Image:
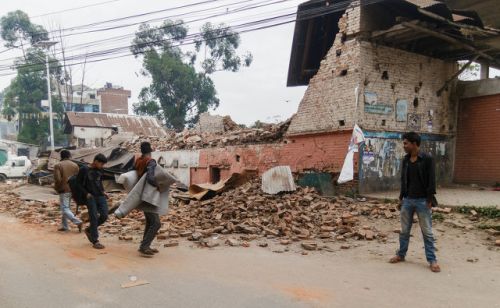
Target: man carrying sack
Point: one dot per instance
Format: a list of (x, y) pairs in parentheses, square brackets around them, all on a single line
[(149, 194)]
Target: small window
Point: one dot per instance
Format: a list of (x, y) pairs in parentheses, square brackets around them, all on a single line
[(343, 38), (19, 163), (343, 72), (92, 96), (342, 123), (238, 158), (385, 75), (415, 102), (383, 123), (338, 52)]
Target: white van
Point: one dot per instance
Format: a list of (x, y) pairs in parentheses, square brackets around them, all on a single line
[(15, 168)]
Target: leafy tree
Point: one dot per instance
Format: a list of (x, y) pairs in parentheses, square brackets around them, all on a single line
[(19, 32), (179, 93), (471, 73), (26, 91)]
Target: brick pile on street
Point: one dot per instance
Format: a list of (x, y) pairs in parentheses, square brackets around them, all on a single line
[(302, 216), (233, 135), (298, 221)]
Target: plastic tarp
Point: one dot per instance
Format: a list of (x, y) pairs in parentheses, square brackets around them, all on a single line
[(347, 173)]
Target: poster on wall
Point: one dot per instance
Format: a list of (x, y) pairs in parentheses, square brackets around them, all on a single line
[(378, 109), (370, 98), (414, 122), (401, 110), (373, 106)]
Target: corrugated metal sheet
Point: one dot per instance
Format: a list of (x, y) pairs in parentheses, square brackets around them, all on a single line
[(179, 163), (278, 179), (139, 125)]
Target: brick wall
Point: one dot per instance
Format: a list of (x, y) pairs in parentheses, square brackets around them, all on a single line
[(114, 100), (393, 75), (330, 102), (477, 150), (322, 152), (210, 123)]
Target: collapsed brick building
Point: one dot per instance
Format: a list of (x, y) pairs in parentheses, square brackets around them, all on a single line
[(389, 66)]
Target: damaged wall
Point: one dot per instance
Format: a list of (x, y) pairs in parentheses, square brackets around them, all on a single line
[(210, 123), (90, 136), (329, 103), (322, 152), (384, 90), (396, 89), (382, 153), (178, 163), (399, 92)]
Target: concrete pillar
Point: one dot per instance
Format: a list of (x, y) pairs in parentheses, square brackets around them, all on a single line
[(485, 70)]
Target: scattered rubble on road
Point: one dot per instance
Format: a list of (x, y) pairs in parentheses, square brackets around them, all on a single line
[(294, 221)]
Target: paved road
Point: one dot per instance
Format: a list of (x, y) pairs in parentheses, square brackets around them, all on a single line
[(42, 268)]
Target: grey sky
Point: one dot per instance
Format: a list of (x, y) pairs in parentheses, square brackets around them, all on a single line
[(255, 93)]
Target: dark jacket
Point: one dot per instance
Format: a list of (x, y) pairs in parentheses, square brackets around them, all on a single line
[(426, 172), (90, 180)]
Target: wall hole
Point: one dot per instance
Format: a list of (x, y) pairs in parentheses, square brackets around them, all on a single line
[(385, 75)]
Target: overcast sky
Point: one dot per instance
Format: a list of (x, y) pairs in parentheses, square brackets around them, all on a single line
[(255, 93)]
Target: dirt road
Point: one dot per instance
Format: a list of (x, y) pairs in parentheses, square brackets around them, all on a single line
[(42, 268)]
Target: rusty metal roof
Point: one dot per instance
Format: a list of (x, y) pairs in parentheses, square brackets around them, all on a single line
[(139, 125)]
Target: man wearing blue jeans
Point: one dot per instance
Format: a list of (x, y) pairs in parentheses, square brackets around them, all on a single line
[(62, 172), (90, 180), (418, 187)]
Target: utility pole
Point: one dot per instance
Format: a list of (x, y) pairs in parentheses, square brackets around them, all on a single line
[(47, 45)]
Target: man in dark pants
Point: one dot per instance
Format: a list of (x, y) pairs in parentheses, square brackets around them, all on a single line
[(418, 187), (145, 164), (90, 180)]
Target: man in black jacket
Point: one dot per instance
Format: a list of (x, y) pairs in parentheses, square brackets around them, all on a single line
[(418, 187), (90, 180)]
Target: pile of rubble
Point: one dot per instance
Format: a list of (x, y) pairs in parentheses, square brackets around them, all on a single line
[(233, 135), (247, 211), (300, 216)]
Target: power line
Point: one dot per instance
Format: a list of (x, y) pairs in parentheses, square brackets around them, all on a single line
[(250, 26), (224, 13), (75, 9)]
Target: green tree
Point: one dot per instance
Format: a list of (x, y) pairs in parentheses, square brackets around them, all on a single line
[(19, 32), (25, 92), (178, 92)]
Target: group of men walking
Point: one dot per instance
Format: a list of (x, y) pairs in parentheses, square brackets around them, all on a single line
[(84, 185), (418, 187)]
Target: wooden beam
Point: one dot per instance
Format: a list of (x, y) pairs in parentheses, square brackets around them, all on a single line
[(392, 30), (449, 39), (307, 46), (460, 71), (455, 24)]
